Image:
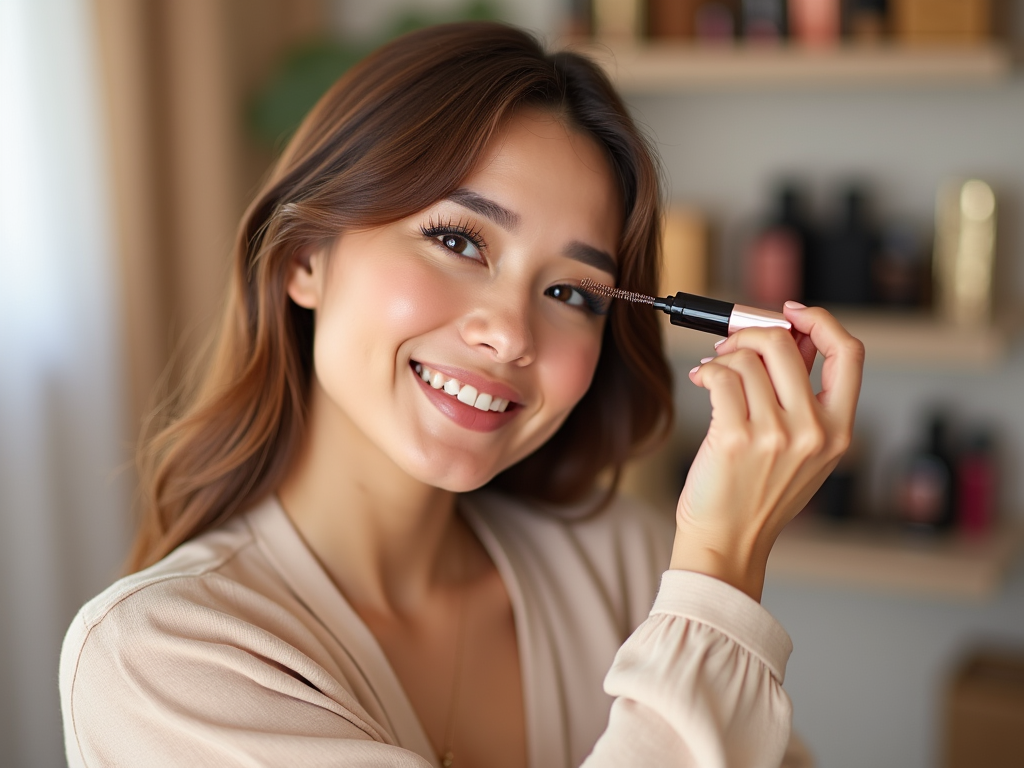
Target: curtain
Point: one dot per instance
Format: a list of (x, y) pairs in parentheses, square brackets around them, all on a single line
[(63, 505)]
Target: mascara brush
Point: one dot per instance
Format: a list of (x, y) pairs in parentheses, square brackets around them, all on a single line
[(698, 312)]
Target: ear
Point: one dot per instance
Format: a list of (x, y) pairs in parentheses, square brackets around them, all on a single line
[(306, 275)]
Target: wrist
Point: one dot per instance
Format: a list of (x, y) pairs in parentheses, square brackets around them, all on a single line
[(739, 561)]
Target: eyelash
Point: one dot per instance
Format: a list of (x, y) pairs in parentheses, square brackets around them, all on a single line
[(436, 229), (599, 305)]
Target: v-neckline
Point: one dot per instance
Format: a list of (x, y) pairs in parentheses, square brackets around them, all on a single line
[(289, 554)]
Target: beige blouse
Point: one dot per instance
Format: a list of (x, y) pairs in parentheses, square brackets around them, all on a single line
[(238, 650)]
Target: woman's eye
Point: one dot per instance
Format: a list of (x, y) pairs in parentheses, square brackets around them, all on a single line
[(460, 245), (575, 297)]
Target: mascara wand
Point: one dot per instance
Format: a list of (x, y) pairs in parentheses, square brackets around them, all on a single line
[(697, 312)]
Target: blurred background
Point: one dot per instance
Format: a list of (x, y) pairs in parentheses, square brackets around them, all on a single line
[(865, 154)]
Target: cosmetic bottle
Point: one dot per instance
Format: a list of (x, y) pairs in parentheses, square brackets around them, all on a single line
[(776, 260), (814, 23), (716, 21), (670, 19), (842, 269), (684, 251), (764, 21), (965, 241), (925, 490), (976, 484), (899, 269), (963, 22), (617, 20), (865, 20)]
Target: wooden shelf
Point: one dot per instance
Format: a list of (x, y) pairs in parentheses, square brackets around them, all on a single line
[(879, 558), (906, 339), (660, 67)]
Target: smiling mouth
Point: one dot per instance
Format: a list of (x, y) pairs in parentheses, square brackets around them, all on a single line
[(464, 393)]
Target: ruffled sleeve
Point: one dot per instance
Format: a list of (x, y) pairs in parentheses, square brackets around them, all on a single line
[(699, 683)]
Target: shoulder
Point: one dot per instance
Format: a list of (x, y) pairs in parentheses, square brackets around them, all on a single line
[(210, 595), (175, 580)]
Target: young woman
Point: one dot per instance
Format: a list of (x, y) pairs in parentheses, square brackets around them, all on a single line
[(375, 536)]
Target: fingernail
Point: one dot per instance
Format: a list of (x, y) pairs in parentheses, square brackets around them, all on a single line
[(794, 305), (704, 360), (694, 369), (720, 342)]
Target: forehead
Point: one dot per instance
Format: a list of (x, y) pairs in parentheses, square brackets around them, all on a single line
[(551, 176)]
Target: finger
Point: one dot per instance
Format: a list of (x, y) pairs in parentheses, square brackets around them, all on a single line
[(762, 400), (785, 365), (843, 366), (807, 349), (728, 400)]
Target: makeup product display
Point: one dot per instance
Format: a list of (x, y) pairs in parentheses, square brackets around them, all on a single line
[(965, 241), (684, 251), (700, 313)]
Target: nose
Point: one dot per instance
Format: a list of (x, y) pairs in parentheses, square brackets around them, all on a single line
[(500, 327)]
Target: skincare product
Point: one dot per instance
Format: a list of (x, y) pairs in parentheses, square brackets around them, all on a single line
[(814, 22), (976, 484), (925, 490), (964, 22), (670, 19), (617, 20), (843, 270), (965, 241), (684, 250), (764, 21)]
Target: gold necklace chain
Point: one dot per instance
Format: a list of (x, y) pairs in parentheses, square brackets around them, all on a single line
[(447, 756)]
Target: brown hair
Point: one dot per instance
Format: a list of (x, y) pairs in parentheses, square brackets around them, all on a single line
[(429, 100)]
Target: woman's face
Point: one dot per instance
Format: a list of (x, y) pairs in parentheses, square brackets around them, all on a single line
[(425, 326)]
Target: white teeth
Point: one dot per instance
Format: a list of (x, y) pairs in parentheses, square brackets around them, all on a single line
[(465, 393)]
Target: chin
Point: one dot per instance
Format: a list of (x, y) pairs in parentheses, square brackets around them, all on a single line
[(460, 475)]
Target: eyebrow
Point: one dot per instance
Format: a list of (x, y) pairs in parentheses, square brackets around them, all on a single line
[(595, 257), (499, 214)]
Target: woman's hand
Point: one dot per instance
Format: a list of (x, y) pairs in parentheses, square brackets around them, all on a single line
[(771, 443)]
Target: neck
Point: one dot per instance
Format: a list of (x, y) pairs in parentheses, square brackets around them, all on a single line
[(385, 538)]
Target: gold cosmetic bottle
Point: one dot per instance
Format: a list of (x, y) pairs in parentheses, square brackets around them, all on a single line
[(965, 241)]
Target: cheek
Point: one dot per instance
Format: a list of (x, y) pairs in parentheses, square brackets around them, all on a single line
[(411, 301), (569, 369)]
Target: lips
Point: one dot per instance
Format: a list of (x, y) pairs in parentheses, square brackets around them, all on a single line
[(469, 400)]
